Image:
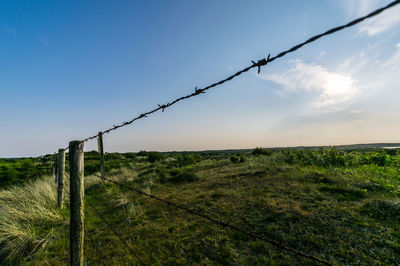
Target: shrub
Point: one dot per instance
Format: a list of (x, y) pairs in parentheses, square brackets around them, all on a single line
[(112, 156), (327, 157), (179, 175), (91, 154), (91, 167), (239, 158), (130, 155), (381, 159), (176, 175), (187, 159), (155, 156), (261, 151), (382, 209), (392, 151), (142, 153), (235, 159), (21, 170)]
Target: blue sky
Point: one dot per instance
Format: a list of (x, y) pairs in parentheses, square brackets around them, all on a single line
[(69, 69)]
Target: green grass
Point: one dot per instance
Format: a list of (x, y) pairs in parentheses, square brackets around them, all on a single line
[(317, 204)]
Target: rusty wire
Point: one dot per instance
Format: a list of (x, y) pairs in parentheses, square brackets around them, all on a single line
[(258, 64), (221, 223)]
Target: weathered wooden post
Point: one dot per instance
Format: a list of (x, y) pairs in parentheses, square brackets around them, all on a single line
[(76, 162), (61, 169), (101, 151)]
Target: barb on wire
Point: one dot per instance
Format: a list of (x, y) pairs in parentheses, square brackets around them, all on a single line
[(221, 223), (198, 91), (115, 232), (259, 64)]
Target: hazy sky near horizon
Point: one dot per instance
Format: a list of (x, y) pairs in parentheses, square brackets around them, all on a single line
[(69, 69)]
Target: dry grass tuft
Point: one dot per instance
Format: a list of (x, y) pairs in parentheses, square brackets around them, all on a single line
[(29, 218)]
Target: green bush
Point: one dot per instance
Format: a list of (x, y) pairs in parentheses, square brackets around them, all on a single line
[(130, 155), (261, 151), (327, 157), (381, 159), (187, 159), (112, 156), (176, 175), (142, 153), (20, 170), (91, 155), (91, 166), (179, 175), (382, 209), (239, 158), (154, 156)]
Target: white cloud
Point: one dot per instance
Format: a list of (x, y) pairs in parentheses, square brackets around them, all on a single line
[(378, 24), (360, 7), (381, 23), (333, 88)]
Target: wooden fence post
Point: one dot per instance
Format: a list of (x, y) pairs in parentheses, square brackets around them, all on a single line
[(61, 169), (101, 151), (76, 166)]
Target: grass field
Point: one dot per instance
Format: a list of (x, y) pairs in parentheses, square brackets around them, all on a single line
[(342, 206)]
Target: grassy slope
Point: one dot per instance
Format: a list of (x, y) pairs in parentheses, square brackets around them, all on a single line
[(344, 215)]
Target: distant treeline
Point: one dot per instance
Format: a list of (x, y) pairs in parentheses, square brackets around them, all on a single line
[(16, 171)]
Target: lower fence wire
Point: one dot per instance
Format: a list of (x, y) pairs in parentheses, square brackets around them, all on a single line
[(111, 228), (221, 223), (115, 232)]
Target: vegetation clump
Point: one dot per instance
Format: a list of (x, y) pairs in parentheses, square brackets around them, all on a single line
[(154, 156), (238, 158), (262, 151), (382, 209), (328, 157), (176, 175), (187, 159), (29, 219), (17, 171)]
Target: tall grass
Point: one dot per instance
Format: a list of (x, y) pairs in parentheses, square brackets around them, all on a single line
[(30, 218)]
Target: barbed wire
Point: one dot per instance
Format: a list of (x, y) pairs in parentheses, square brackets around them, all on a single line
[(221, 223), (258, 64)]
